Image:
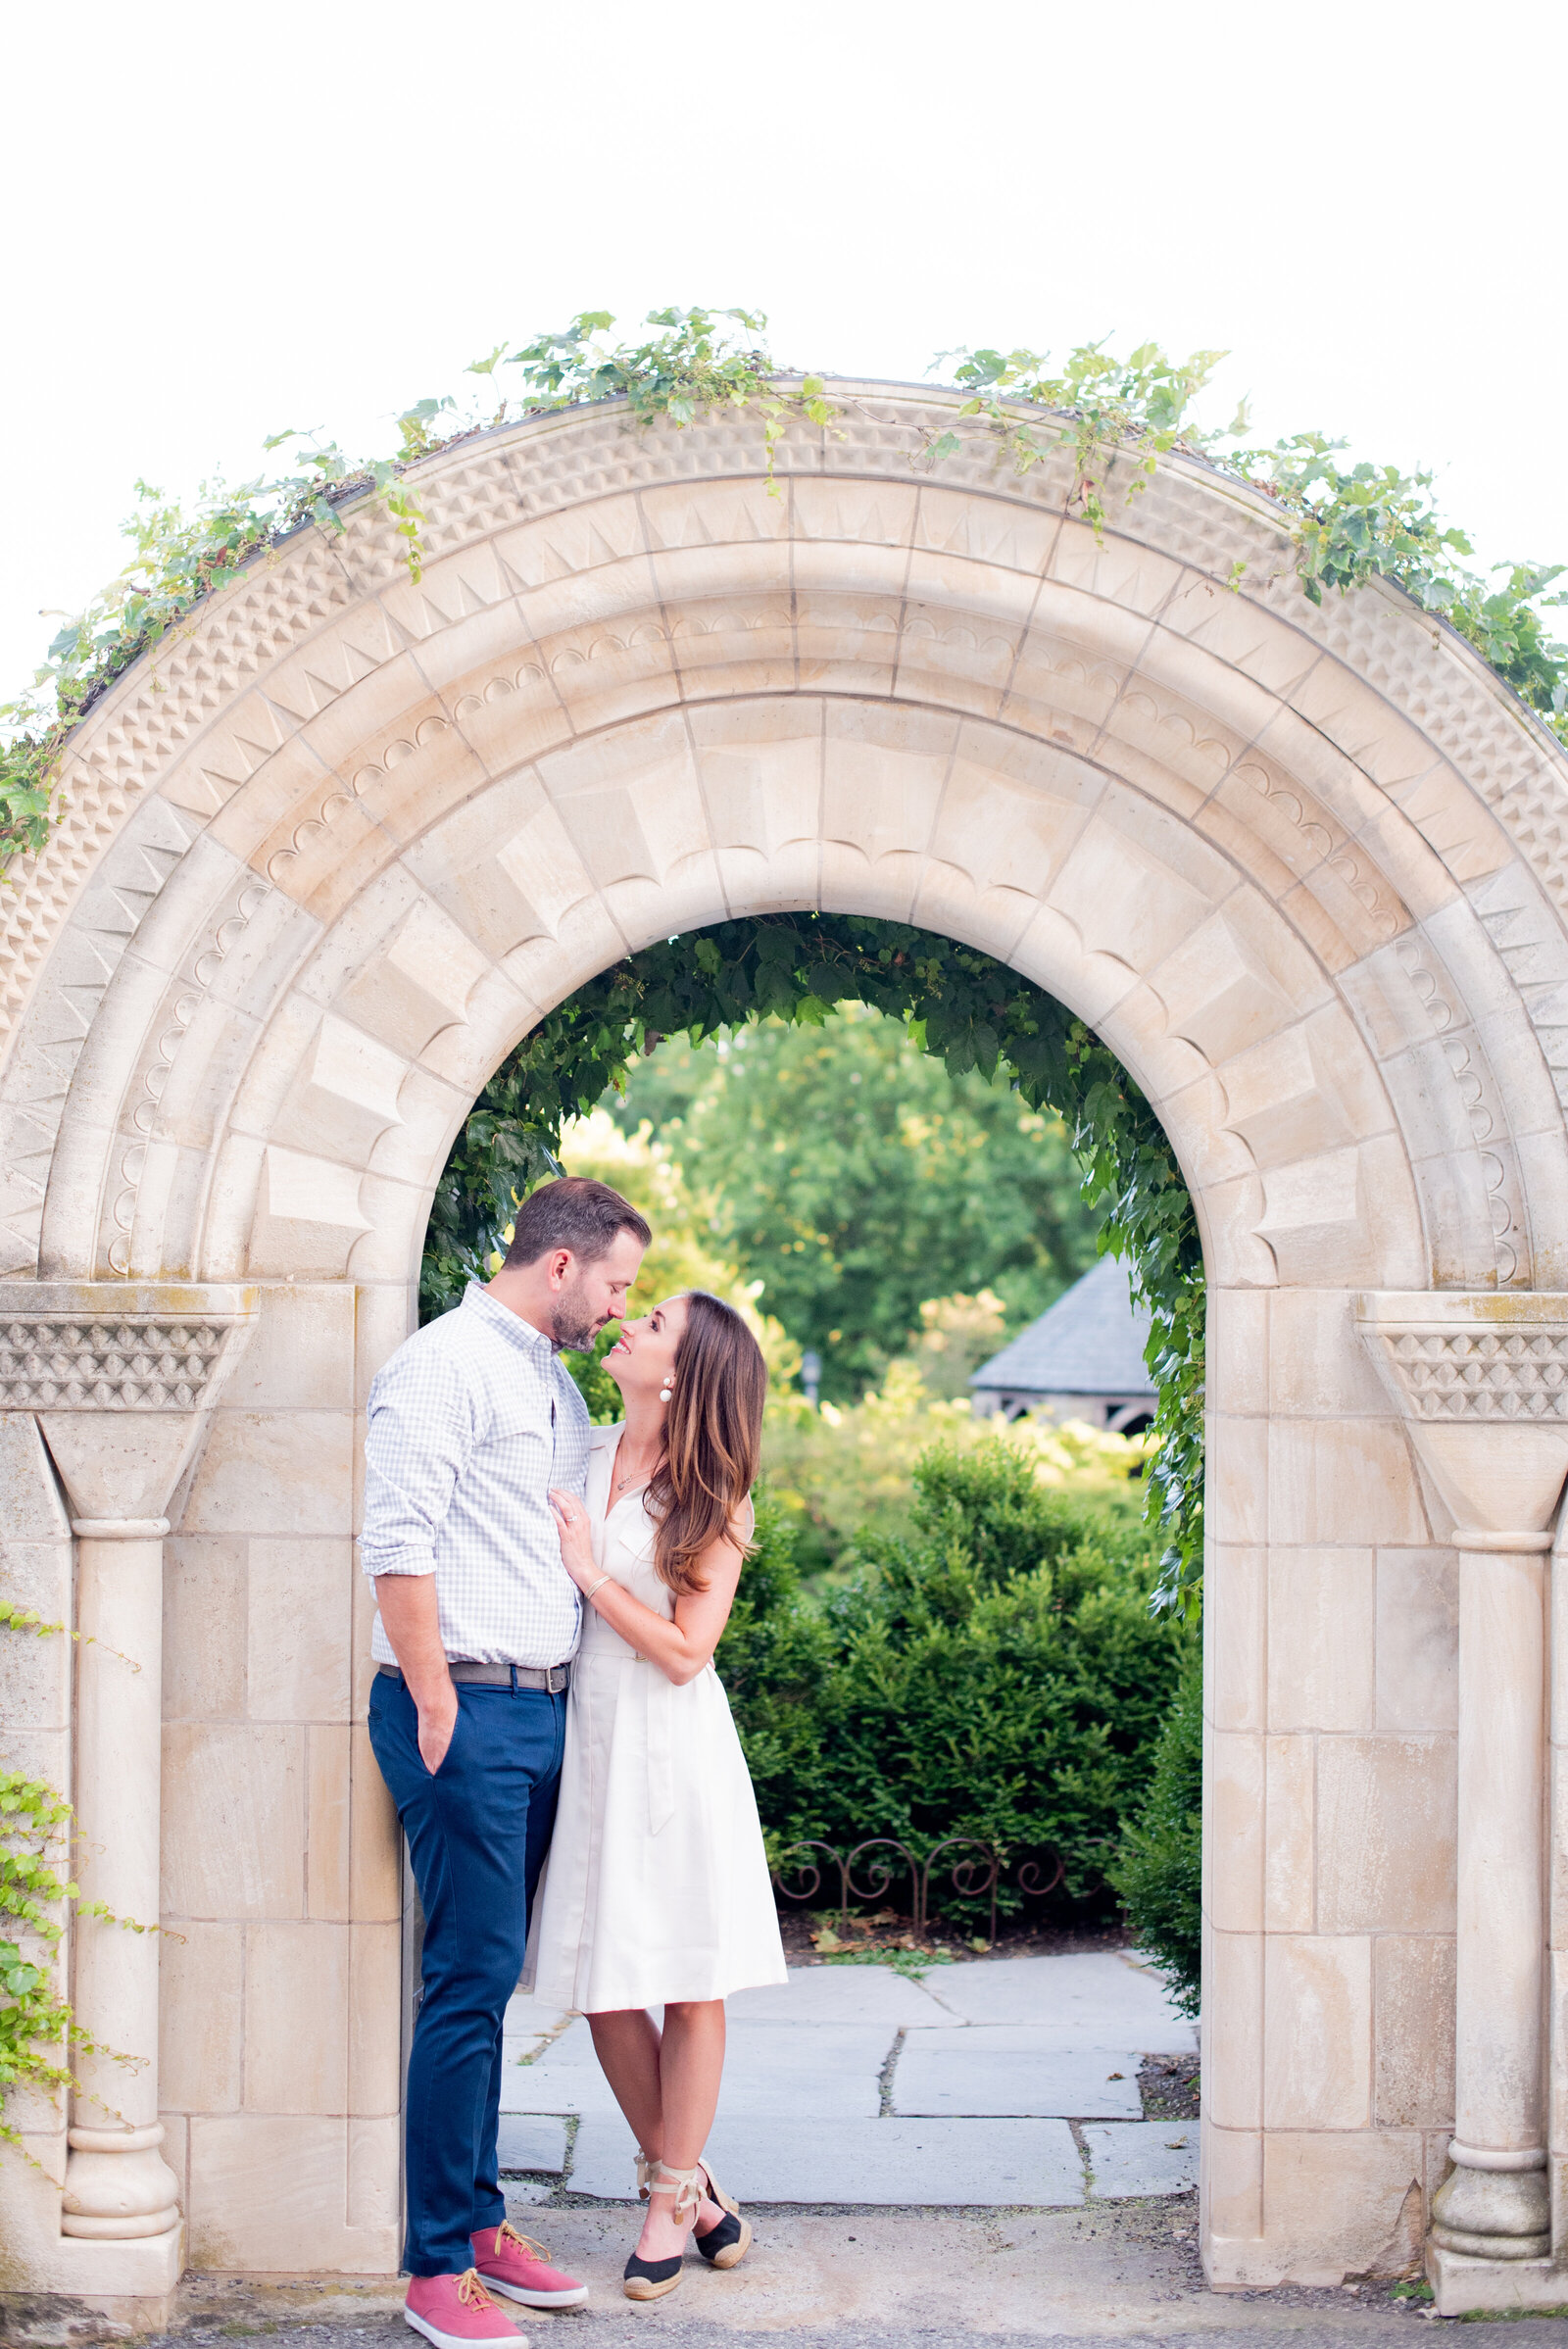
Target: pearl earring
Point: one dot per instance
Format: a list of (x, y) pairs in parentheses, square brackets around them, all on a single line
[(664, 1393)]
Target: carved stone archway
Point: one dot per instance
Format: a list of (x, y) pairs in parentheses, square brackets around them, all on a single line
[(329, 853)]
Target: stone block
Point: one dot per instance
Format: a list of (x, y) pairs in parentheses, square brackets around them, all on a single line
[(1318, 1363), (35, 1668), (1238, 1481), (200, 2019), (1387, 1835), (1340, 2204), (328, 1761), (1008, 2070), (375, 2015), (375, 2178), (1412, 1992), (1233, 1842), (1233, 2060), (233, 1819), (274, 1472), (298, 1635), (1418, 1641), (1348, 1480), (790, 2157), (270, 2194), (1322, 1653), (1288, 1836), (296, 2018), (1232, 2188), (1141, 2156), (1235, 1615), (1236, 1351), (205, 1608), (1317, 2034), (375, 1841)]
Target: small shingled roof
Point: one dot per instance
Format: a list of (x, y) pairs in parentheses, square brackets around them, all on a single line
[(1091, 1342)]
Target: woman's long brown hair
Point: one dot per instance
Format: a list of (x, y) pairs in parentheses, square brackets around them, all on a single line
[(713, 1440)]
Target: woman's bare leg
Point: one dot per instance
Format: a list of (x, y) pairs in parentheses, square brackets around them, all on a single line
[(632, 2057), (691, 2067), (626, 2044)]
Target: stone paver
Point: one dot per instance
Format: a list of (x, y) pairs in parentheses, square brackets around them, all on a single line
[(530, 2141), (1141, 2156), (988, 2062), (566, 2078), (1103, 1997), (797, 2158), (994, 2069), (831, 2070), (846, 1995)]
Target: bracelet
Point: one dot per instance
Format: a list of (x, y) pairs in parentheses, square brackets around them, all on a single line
[(598, 1586)]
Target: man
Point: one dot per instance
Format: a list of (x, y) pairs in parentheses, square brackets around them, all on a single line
[(470, 1424)]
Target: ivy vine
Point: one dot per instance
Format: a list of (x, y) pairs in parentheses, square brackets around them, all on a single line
[(967, 1009), (1346, 525), (37, 2028)]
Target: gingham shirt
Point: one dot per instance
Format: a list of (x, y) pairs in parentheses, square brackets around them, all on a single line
[(470, 1424)]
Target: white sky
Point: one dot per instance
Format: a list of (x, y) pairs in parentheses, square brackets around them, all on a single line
[(218, 221)]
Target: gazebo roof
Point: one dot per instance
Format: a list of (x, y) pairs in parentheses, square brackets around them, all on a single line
[(1091, 1342)]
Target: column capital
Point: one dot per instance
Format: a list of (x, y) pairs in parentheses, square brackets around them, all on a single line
[(120, 1345), (1482, 1381)]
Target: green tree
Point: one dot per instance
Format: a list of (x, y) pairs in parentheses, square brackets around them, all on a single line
[(856, 1179)]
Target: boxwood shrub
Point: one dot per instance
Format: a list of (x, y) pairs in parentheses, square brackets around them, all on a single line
[(999, 1675)]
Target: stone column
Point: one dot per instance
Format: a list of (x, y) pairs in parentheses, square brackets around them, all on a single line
[(1484, 1385), (120, 1377)]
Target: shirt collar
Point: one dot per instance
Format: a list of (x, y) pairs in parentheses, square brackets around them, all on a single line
[(502, 1318)]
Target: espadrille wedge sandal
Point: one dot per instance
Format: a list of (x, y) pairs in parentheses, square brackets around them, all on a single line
[(652, 2278)]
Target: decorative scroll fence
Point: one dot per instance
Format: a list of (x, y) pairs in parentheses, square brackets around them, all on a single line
[(882, 1860)]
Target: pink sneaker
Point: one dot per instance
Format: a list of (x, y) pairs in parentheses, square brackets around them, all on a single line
[(509, 2263), (456, 2311)]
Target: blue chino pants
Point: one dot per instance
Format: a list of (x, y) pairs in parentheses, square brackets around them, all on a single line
[(478, 1830)]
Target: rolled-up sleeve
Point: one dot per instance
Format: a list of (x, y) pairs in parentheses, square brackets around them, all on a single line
[(419, 1438)]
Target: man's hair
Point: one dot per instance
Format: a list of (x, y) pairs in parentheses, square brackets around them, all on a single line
[(574, 1213)]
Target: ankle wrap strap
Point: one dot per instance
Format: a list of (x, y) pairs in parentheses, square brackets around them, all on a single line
[(682, 2184)]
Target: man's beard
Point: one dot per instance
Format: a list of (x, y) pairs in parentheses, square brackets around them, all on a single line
[(572, 1327)]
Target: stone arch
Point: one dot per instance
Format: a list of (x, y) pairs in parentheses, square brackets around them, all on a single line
[(344, 838)]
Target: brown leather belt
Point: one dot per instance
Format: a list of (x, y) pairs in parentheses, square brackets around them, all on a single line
[(551, 1678)]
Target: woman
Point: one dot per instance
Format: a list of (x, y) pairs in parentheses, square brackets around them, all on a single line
[(657, 1892)]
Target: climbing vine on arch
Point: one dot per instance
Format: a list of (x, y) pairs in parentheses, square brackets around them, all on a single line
[(973, 1012)]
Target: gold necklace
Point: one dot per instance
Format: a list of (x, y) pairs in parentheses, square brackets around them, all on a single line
[(633, 1477)]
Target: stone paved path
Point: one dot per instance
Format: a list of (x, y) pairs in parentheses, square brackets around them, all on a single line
[(1123, 2271), (1009, 2082), (987, 2097)]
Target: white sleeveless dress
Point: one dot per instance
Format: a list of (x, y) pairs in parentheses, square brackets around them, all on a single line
[(657, 1886)]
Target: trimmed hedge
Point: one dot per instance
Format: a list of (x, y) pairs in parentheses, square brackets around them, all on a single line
[(1158, 1870), (998, 1675)]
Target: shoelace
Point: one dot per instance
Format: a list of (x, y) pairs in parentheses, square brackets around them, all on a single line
[(506, 2232), (472, 2291)]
